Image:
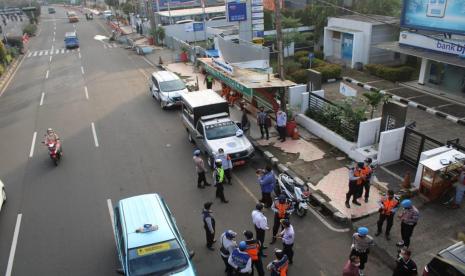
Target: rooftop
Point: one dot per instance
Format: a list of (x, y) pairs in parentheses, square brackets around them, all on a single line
[(371, 18), (192, 11)]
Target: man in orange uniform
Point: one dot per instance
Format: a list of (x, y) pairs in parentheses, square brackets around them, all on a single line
[(282, 208), (388, 207), (367, 172), (279, 266), (253, 249), (356, 178)]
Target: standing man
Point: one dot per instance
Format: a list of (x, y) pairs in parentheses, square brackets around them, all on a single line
[(288, 236), (254, 250), (228, 244), (226, 162), (355, 184), (262, 117), (405, 266), (261, 225), (459, 189), (208, 224), (218, 176), (278, 266), (240, 260), (200, 168), (209, 81), (267, 183), (245, 123), (281, 121), (282, 208), (352, 267), (361, 243), (409, 219), (367, 172), (387, 209)]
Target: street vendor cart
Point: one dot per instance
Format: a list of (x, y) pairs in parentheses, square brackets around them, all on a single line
[(440, 172)]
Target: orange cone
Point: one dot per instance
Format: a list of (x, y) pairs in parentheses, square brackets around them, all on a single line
[(295, 135)]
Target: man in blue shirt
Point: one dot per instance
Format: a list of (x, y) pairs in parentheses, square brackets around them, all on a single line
[(267, 182), (281, 121)]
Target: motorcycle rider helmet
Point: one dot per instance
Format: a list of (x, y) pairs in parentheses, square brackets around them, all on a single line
[(220, 150), (230, 234), (282, 198), (248, 234), (362, 231), (278, 253), (49, 130), (196, 152), (368, 160), (218, 162), (406, 203), (259, 206), (242, 246)]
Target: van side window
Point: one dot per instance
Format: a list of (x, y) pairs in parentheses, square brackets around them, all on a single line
[(120, 231), (200, 128), (154, 81)]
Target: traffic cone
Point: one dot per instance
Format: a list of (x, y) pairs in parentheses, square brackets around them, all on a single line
[(295, 135)]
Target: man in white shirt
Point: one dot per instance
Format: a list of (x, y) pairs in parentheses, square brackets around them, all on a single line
[(287, 235), (261, 225)]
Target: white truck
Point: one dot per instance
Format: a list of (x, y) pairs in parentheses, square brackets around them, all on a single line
[(206, 118)]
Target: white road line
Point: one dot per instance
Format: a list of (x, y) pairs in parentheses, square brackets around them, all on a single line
[(95, 134), (42, 99), (46, 74), (41, 53), (50, 58), (245, 188), (53, 33), (318, 216), (31, 153), (112, 217), (53, 39), (82, 70), (35, 54), (51, 51), (87, 93), (79, 55), (74, 26), (62, 51), (46, 53), (30, 54), (11, 259), (67, 51), (79, 49), (57, 51), (149, 62)]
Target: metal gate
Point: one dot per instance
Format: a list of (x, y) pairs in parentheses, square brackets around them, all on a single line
[(414, 144)]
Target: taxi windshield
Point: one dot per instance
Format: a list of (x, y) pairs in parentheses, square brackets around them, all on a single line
[(157, 259)]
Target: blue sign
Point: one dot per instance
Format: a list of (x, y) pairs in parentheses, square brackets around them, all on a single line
[(237, 11), (445, 16), (198, 26), (311, 56)]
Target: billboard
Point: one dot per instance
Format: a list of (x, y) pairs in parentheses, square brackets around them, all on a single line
[(445, 16), (237, 11), (161, 5)]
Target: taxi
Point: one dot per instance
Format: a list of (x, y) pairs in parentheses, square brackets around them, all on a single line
[(148, 240)]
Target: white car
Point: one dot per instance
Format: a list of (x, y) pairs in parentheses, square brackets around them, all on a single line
[(3, 194), (167, 88)]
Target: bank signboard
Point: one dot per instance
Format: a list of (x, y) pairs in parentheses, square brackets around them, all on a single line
[(449, 46), (237, 11), (445, 16)]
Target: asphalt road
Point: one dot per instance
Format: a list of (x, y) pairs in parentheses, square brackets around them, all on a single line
[(117, 143)]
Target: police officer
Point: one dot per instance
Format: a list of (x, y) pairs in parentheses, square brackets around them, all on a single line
[(409, 219), (278, 266), (200, 168), (261, 225), (288, 236), (228, 244), (227, 164), (361, 243), (405, 266), (355, 184), (209, 224), (253, 249), (368, 173), (218, 176), (240, 260), (267, 182), (387, 209), (282, 208)]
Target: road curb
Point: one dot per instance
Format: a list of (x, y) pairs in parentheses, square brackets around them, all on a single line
[(407, 101), (6, 77)]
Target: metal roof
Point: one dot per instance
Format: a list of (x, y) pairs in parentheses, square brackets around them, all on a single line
[(202, 97), (374, 19), (192, 11), (144, 209)]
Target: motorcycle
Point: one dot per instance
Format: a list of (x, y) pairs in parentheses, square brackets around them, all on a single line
[(298, 194), (53, 152)]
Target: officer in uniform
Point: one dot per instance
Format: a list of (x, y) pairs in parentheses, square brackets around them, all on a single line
[(388, 207), (253, 249), (228, 244), (227, 164), (240, 260), (261, 225), (367, 172), (409, 219), (355, 184), (218, 176), (278, 266), (288, 236), (208, 224), (361, 243), (282, 208)]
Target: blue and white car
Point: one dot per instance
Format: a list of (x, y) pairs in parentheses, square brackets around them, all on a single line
[(148, 240)]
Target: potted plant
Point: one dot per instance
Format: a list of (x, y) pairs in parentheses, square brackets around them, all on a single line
[(184, 56), (153, 34)]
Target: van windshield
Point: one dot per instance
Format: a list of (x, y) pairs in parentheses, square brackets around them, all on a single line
[(157, 259), (221, 130), (172, 85)]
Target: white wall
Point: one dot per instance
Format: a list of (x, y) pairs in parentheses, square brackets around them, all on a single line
[(295, 96), (368, 132), (390, 145), (360, 49), (305, 98), (426, 155), (179, 30)]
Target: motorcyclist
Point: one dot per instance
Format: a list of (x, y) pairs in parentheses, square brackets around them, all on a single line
[(52, 138)]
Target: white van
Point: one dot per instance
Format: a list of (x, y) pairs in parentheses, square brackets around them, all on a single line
[(167, 88), (107, 13)]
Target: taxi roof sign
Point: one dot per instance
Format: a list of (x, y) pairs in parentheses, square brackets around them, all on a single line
[(147, 228)]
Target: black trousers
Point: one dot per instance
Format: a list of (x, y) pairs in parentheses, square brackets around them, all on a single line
[(260, 234), (209, 85), (353, 191), (287, 249), (367, 185), (389, 219), (266, 199), (210, 237), (258, 264), (276, 225), (201, 178), (264, 130), (282, 132), (227, 267), (220, 191), (227, 174), (406, 232), (362, 255)]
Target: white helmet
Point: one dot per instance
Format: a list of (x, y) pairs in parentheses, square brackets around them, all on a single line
[(49, 130)]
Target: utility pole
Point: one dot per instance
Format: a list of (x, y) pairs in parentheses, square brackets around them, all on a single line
[(151, 16), (279, 40)]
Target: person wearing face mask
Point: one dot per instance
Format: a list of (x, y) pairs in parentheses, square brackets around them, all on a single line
[(352, 267), (405, 266)]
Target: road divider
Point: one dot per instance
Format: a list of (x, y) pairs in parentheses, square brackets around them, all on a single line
[(42, 99), (86, 92), (94, 133), (11, 258), (34, 136)]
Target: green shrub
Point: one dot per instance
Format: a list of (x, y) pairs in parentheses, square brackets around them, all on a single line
[(316, 62), (329, 71), (305, 61), (30, 29), (319, 54), (2, 70), (300, 76), (8, 59), (394, 74), (13, 51), (300, 54), (291, 66)]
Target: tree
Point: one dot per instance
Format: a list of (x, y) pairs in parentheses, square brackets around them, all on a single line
[(290, 36), (373, 99), (127, 8), (3, 53), (112, 3), (161, 34), (380, 7)]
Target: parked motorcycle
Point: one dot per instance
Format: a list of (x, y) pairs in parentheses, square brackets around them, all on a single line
[(53, 152), (298, 194)]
